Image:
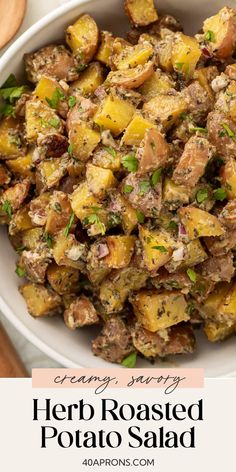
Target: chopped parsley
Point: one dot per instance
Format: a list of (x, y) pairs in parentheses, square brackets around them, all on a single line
[(130, 162), (94, 219), (71, 101), (48, 238), (10, 92), (220, 194), (199, 129), (6, 208), (128, 188), (160, 248), (114, 219), (69, 225), (130, 361), (140, 216), (179, 65), (156, 176), (192, 275), (20, 272), (202, 195), (57, 96), (228, 131), (110, 151), (173, 225), (70, 150), (81, 67), (54, 122), (210, 36), (144, 186)]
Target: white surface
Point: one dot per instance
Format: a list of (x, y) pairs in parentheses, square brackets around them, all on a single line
[(72, 349)]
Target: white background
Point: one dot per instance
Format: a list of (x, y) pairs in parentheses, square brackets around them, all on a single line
[(20, 436)]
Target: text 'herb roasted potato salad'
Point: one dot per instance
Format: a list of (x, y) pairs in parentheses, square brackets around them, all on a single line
[(118, 182)]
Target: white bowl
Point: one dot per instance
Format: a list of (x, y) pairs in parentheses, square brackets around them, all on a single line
[(72, 349)]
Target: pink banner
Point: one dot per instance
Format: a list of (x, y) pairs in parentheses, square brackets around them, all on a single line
[(101, 379)]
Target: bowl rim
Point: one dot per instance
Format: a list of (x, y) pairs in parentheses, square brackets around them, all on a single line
[(4, 60)]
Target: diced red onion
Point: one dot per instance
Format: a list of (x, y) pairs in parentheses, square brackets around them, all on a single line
[(103, 250), (206, 52), (182, 230)]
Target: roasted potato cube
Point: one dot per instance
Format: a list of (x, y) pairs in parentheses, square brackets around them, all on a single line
[(127, 213), (50, 92), (114, 114), (158, 83), (39, 209), (159, 310), (227, 308), (100, 180), (83, 140), (82, 37), (178, 339), (5, 176), (59, 213), (174, 195), (218, 331), (22, 165), (121, 249), (81, 312), (141, 12), (20, 221), (67, 251), (11, 144), (51, 171), (164, 51), (114, 343), (40, 119), (35, 265), (136, 129), (228, 178), (83, 201), (185, 54), (157, 247), (15, 196), (142, 195), (222, 28), (32, 238), (116, 288), (107, 158), (133, 56), (131, 78), (166, 108), (54, 61), (205, 75), (89, 80), (40, 300), (220, 132), (63, 279), (210, 308), (199, 223), (192, 164), (104, 51), (154, 152), (187, 255)]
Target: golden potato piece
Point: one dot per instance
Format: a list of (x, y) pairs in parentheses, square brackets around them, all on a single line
[(218, 331), (80, 312), (165, 108), (100, 180), (83, 140), (104, 51), (82, 37), (158, 83), (199, 223), (136, 129), (220, 31), (40, 300), (114, 114), (141, 12), (59, 213), (22, 165), (159, 310), (157, 247), (89, 80), (14, 196), (175, 195), (121, 249), (83, 201), (40, 119), (67, 251), (228, 178), (11, 144), (32, 238), (133, 56), (131, 78), (63, 279), (185, 54), (154, 153)]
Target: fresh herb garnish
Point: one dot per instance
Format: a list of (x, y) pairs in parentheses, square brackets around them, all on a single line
[(7, 208), (110, 151), (94, 219), (70, 150), (228, 131), (69, 225), (130, 361), (160, 248), (130, 162), (192, 275), (173, 225), (55, 122), (71, 101), (20, 272), (48, 238), (10, 92), (114, 219), (199, 129), (202, 195), (57, 96), (140, 216), (210, 36), (81, 67), (220, 194), (128, 188), (156, 176), (179, 65), (144, 186)]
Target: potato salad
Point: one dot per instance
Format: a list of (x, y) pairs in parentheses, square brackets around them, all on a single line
[(118, 182)]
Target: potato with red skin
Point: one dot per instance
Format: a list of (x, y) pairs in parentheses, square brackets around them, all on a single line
[(53, 60), (199, 101), (223, 27), (228, 214), (218, 136), (63, 279), (83, 37), (228, 177), (59, 213), (192, 164), (81, 312), (5, 176), (141, 12), (115, 342), (218, 269), (153, 152), (223, 244), (41, 301), (131, 78), (35, 265), (16, 194), (141, 195)]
